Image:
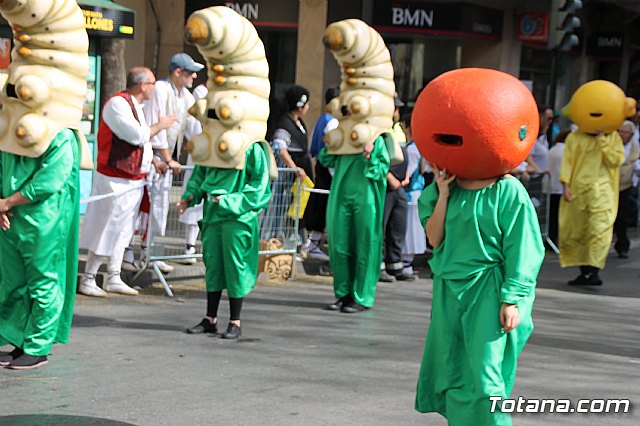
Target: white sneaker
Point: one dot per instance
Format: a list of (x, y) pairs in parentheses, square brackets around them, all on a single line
[(317, 254), (88, 287), (130, 266), (165, 268), (190, 260), (116, 285)]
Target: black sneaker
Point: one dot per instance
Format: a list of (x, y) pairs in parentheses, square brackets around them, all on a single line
[(7, 357), (589, 279), (338, 304), (353, 308), (205, 326), (233, 331), (27, 362)]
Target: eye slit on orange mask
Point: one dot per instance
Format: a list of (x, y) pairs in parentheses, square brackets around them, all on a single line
[(445, 139)]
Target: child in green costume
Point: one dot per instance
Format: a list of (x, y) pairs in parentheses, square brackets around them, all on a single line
[(39, 222), (354, 223), (230, 237), (487, 254)]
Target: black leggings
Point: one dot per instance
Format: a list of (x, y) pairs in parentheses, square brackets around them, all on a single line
[(587, 269), (213, 301)]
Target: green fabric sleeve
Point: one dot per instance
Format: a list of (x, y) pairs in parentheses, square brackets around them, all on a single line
[(252, 195), (55, 169), (1, 177), (427, 202), (378, 164), (194, 187), (326, 159), (521, 244), (612, 149)]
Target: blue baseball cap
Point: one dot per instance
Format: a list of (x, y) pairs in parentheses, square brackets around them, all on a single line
[(184, 62)]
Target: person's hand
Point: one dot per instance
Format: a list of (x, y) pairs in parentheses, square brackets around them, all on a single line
[(442, 180), (160, 166), (566, 193), (301, 173), (367, 149), (167, 121), (405, 182), (183, 205), (509, 317), (216, 199), (175, 166), (5, 223), (393, 183)]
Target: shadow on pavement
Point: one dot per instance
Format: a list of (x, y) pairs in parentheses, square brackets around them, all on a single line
[(89, 321), (55, 420)]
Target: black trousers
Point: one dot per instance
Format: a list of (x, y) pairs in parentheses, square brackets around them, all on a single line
[(395, 228), (315, 215), (627, 215)]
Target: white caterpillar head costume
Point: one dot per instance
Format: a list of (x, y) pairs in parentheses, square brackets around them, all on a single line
[(234, 114), (46, 84), (365, 106)]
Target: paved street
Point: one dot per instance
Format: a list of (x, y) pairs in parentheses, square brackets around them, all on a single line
[(129, 361)]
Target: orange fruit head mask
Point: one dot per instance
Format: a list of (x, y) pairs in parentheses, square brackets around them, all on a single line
[(477, 123)]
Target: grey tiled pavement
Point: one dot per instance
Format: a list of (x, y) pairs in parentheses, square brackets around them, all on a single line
[(129, 361)]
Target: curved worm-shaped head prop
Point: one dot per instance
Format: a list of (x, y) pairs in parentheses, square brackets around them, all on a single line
[(46, 85), (234, 114), (365, 106)]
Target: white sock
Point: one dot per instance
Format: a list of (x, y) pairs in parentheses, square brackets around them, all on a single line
[(191, 234), (115, 261), (93, 264), (315, 236)]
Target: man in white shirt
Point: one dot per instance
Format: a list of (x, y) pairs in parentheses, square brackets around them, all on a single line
[(124, 159), (171, 97)]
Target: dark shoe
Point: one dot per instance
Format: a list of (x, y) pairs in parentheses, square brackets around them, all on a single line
[(7, 357), (205, 326), (233, 332), (386, 278), (27, 362), (405, 277), (339, 304), (352, 308), (590, 279), (623, 254)]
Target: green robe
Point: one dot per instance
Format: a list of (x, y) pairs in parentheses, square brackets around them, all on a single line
[(40, 251), (354, 220), (230, 236), (491, 253)]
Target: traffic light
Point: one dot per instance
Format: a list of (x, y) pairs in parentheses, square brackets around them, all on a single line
[(564, 23)]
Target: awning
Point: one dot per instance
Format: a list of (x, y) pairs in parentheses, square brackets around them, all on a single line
[(104, 18)]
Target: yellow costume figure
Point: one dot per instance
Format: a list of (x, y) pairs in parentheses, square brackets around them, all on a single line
[(590, 175)]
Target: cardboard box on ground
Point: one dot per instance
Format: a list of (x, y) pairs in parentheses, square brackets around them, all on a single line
[(277, 266)]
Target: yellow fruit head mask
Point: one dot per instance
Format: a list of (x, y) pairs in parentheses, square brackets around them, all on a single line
[(599, 105)]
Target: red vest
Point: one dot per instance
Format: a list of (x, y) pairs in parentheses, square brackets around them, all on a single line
[(117, 158)]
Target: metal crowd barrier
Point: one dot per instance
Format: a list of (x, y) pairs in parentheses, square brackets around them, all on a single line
[(539, 189), (278, 231)]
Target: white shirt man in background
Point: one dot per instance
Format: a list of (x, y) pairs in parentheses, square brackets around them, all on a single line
[(124, 159), (171, 97)]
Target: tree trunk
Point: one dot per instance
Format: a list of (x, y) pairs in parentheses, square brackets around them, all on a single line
[(114, 74)]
